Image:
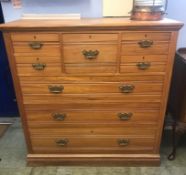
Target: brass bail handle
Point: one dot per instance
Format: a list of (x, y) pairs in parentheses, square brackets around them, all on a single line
[(36, 45), (39, 66), (90, 54), (62, 142), (55, 89), (143, 65), (145, 43), (123, 142), (127, 88), (125, 116), (59, 116)]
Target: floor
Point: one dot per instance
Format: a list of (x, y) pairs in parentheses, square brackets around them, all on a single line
[(13, 155)]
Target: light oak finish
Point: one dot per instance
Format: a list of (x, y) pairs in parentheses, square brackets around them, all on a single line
[(92, 91), (89, 37)]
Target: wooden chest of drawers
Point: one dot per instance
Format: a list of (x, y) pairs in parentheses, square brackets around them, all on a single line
[(92, 91)]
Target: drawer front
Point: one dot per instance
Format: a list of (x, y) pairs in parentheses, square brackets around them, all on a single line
[(88, 144), (89, 68), (155, 36), (92, 79), (89, 53), (144, 58), (95, 106), (91, 37), (143, 67), (42, 49), (95, 129), (125, 87), (34, 37), (39, 69), (58, 118), (157, 48), (35, 59), (82, 100)]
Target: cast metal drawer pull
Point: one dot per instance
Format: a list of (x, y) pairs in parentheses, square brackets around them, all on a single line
[(143, 65), (36, 45), (90, 54), (62, 142), (123, 142), (145, 43), (59, 116), (39, 66), (56, 89), (127, 88), (125, 116)]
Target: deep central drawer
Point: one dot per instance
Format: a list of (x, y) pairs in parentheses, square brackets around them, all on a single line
[(90, 53)]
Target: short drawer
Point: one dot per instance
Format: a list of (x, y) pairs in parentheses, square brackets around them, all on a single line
[(39, 69), (90, 68), (92, 144), (81, 88), (34, 37), (58, 118), (35, 59), (37, 49), (134, 48), (90, 53), (143, 67), (89, 37), (155, 36), (144, 58)]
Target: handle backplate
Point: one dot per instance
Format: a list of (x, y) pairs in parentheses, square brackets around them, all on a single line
[(143, 65), (59, 116), (39, 66), (36, 45), (90, 54), (62, 142), (127, 88), (125, 116), (123, 142), (55, 89), (145, 43)]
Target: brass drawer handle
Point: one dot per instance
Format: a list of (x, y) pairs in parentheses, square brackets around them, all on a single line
[(62, 142), (56, 89), (123, 142), (143, 65), (90, 54), (125, 116), (39, 66), (59, 116), (36, 45), (145, 43), (127, 88)]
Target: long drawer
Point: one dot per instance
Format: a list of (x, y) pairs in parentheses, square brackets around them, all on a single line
[(85, 88), (60, 117), (82, 99), (95, 129), (92, 144)]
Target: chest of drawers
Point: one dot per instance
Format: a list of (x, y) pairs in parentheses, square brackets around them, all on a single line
[(92, 91)]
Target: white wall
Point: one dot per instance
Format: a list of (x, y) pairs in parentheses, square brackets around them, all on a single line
[(177, 10), (88, 8)]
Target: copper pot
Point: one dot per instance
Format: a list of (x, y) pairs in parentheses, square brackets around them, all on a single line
[(150, 11)]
